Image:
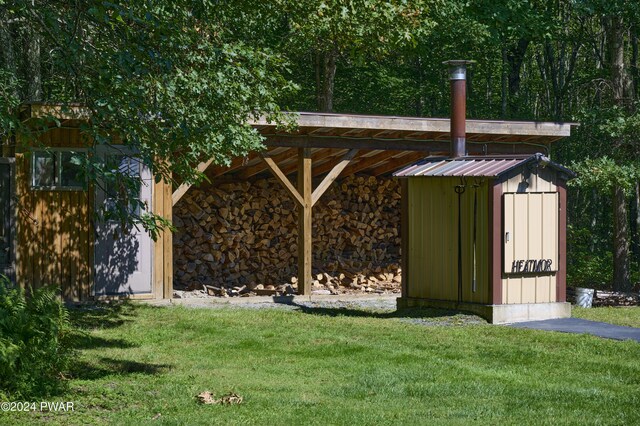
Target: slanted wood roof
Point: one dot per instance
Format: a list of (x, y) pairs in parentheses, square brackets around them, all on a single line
[(386, 143)]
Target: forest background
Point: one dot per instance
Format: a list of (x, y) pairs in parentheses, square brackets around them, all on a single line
[(184, 77)]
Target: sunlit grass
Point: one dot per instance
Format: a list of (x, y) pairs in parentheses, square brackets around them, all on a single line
[(145, 365)]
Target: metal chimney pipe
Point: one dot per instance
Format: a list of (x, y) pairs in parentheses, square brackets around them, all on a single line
[(458, 79)]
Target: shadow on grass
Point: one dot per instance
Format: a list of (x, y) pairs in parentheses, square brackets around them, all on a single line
[(111, 315), (104, 367), (430, 313), (102, 315)]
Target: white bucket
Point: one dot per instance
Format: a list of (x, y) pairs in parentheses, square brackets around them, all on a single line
[(584, 297)]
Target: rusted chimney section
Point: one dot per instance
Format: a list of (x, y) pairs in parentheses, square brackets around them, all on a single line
[(458, 78)]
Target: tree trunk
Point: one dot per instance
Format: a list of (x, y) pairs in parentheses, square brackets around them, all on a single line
[(619, 83), (635, 73), (636, 238), (9, 56), (317, 62), (621, 273), (419, 102), (504, 84), (515, 58), (594, 217), (34, 82), (327, 75)]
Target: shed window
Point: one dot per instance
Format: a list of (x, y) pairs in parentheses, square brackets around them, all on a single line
[(58, 169)]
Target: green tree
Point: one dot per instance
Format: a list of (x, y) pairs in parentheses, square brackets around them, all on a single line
[(170, 79), (331, 31)]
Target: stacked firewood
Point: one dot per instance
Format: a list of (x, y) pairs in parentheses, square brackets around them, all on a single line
[(608, 298), (243, 236), (615, 298)]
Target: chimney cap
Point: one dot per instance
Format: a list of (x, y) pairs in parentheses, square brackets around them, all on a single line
[(458, 68)]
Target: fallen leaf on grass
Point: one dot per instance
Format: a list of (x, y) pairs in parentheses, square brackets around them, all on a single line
[(156, 417), (207, 397)]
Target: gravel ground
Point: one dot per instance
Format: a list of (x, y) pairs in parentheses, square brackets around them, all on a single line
[(383, 307)]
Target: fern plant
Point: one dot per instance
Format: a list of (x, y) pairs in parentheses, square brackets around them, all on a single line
[(35, 342)]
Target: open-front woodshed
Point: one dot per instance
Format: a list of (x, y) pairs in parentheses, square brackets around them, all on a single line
[(332, 210)]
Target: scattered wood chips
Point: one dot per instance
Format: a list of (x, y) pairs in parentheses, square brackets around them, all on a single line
[(231, 398)]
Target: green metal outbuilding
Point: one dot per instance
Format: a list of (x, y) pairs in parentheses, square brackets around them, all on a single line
[(486, 235)]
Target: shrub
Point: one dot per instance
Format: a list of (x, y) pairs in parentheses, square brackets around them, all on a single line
[(35, 342)]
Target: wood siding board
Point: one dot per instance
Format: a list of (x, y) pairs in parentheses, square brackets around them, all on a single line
[(561, 275), (495, 224), (157, 203), (405, 233), (167, 291)]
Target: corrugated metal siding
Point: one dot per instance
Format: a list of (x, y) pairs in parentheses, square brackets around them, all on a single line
[(433, 241), (468, 166), (540, 288)]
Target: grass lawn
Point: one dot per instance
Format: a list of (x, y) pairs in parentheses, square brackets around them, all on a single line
[(629, 316), (141, 362)]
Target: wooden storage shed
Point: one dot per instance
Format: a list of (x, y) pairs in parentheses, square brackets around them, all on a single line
[(486, 235), (50, 232)]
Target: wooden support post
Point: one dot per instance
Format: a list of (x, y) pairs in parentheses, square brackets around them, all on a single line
[(331, 176), (305, 197), (305, 237)]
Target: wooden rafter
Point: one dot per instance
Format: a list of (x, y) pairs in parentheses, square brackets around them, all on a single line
[(236, 163), (328, 162), (366, 162), (332, 175), (182, 189), (316, 155), (262, 166)]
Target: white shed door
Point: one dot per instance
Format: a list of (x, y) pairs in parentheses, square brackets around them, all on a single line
[(530, 232), (122, 255)]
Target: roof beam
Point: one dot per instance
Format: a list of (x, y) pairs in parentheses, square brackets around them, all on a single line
[(332, 175), (426, 146)]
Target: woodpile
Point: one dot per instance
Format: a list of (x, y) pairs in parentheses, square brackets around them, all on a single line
[(615, 298), (238, 238), (608, 298)]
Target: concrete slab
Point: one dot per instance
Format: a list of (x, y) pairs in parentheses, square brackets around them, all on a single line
[(582, 326)]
